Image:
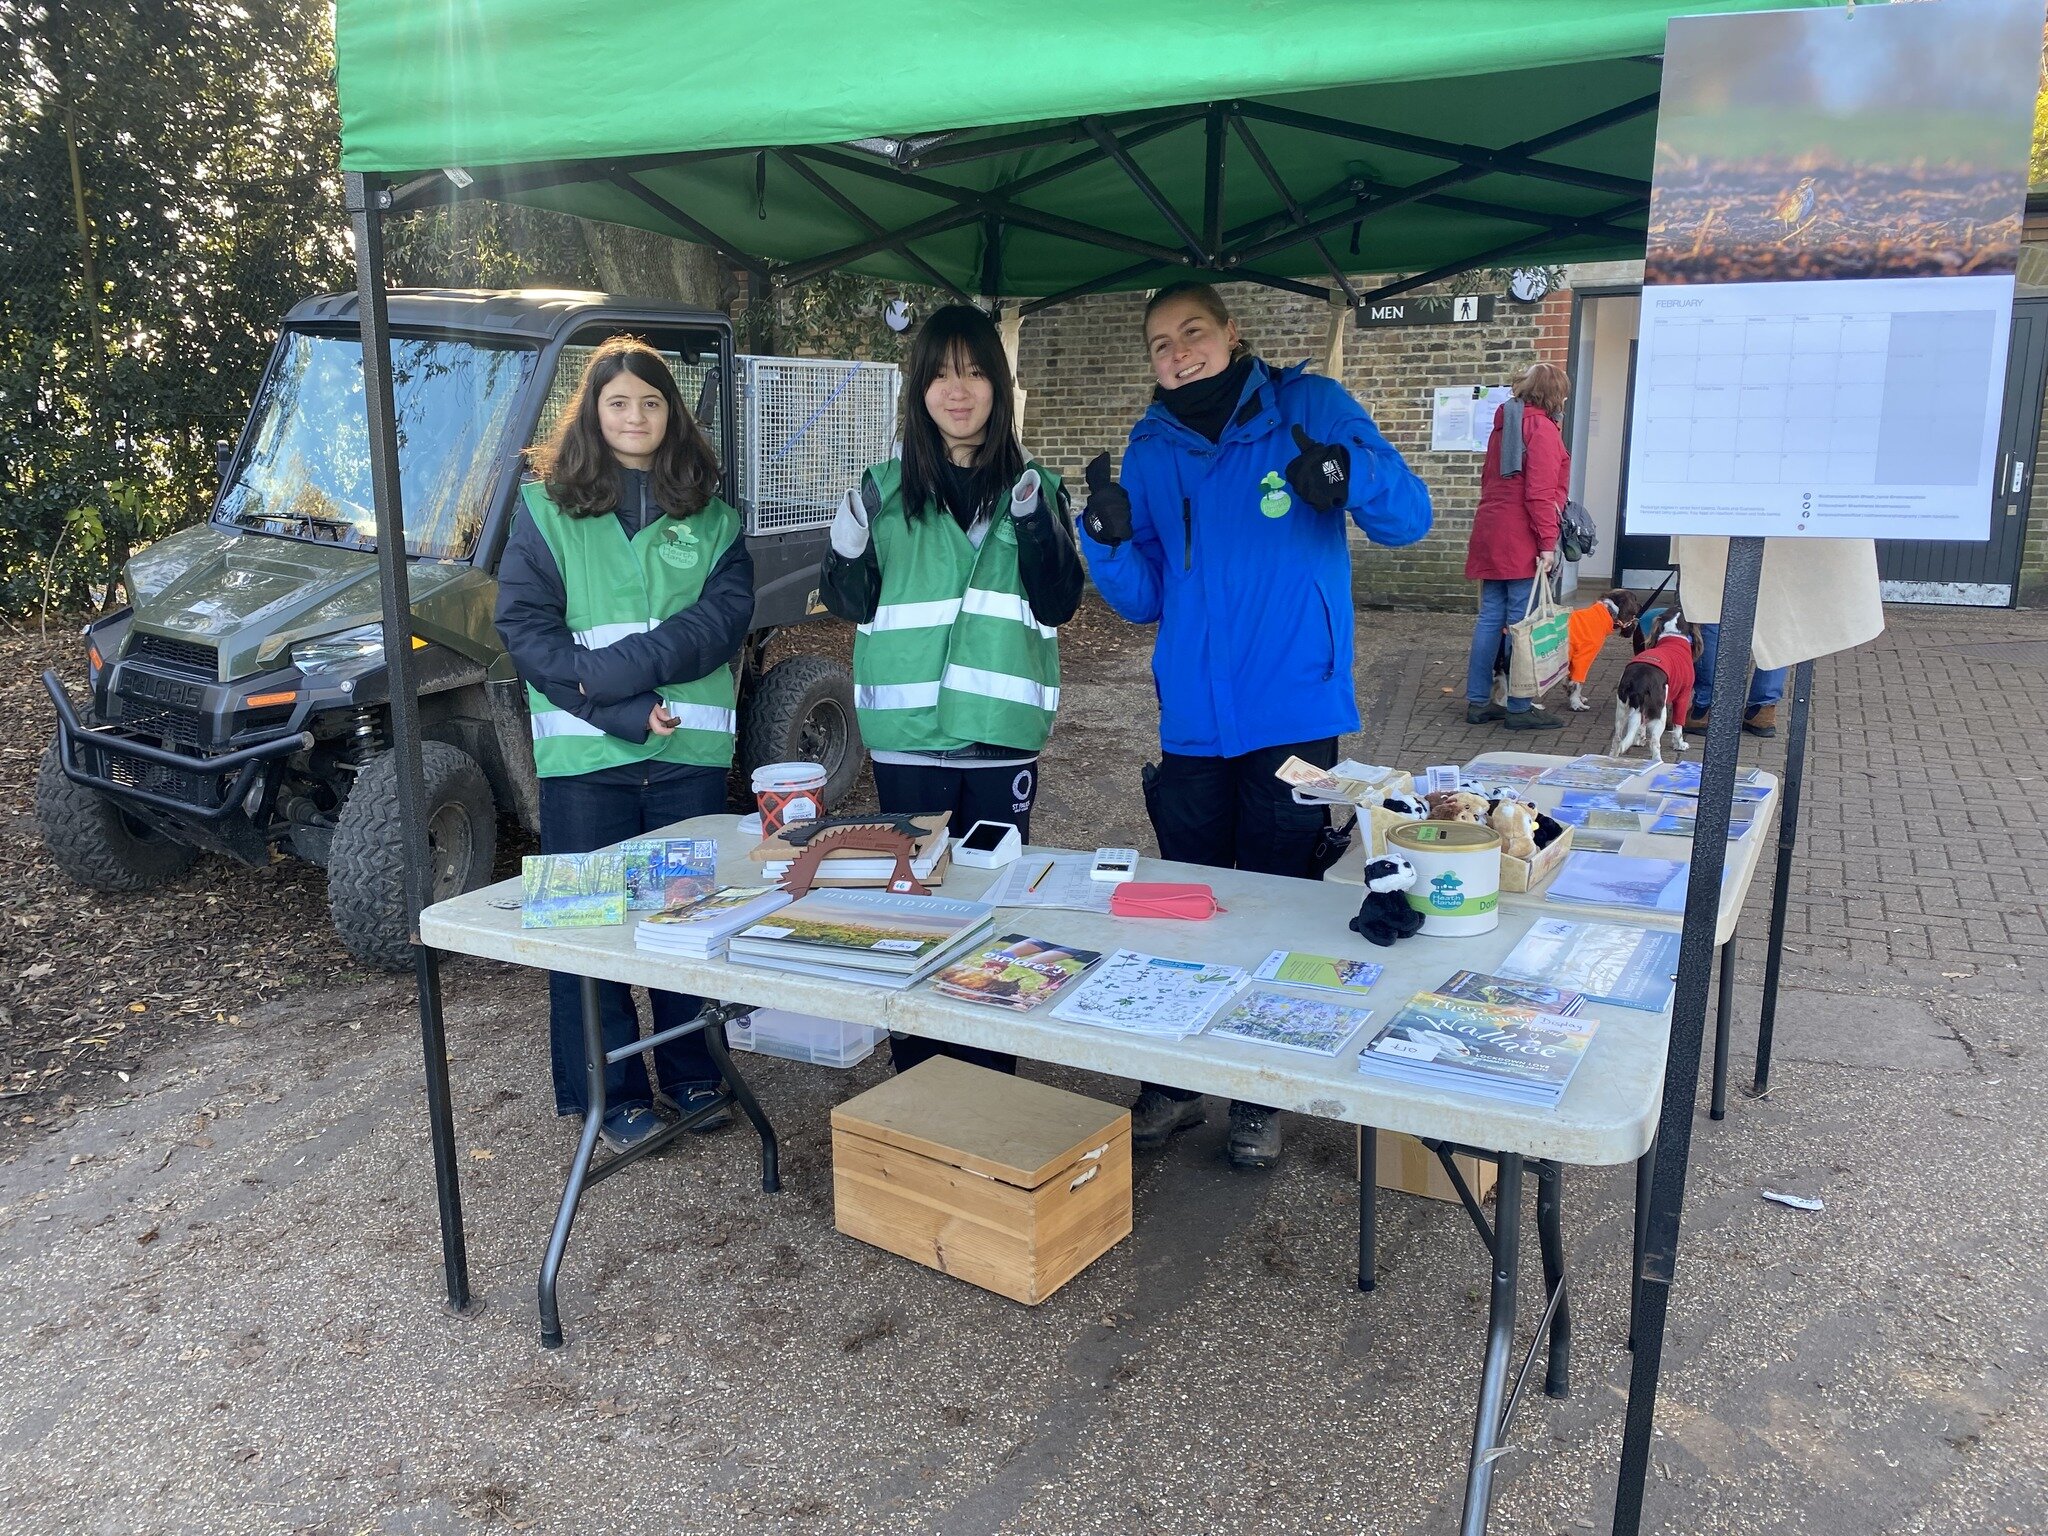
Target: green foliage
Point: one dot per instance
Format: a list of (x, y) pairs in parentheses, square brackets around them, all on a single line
[(204, 136)]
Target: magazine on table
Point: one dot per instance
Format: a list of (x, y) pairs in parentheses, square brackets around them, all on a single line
[(1608, 800), (1329, 973), (668, 871), (701, 927), (865, 930), (1292, 1023), (1016, 972), (1619, 880), (1684, 779), (1594, 840), (1481, 771), (1605, 962), (1686, 826), (1511, 992), (1517, 1054), (1573, 776), (1349, 782), (1151, 995)]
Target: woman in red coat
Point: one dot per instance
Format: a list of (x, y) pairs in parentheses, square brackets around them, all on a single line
[(1514, 536)]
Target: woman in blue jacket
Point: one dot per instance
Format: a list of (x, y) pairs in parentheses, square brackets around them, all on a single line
[(1228, 532)]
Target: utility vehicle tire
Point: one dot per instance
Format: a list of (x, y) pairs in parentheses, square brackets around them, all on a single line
[(366, 862), (95, 843), (802, 712)]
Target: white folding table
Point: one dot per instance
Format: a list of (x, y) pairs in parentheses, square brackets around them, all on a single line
[(1607, 1116)]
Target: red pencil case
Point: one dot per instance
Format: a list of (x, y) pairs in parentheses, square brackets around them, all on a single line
[(1151, 898)]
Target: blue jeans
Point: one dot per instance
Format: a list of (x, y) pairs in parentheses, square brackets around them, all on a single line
[(1766, 685), (1501, 603), (576, 816)]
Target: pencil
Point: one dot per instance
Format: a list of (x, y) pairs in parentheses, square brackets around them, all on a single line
[(1041, 876)]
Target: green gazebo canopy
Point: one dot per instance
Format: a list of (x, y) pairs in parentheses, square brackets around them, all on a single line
[(1038, 150)]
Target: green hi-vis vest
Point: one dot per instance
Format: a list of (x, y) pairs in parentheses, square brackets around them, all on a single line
[(953, 654), (616, 588)]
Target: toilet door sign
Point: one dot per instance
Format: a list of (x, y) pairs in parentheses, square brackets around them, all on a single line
[(1435, 309)]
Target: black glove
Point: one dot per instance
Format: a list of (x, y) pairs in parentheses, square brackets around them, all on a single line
[(1320, 473), (1107, 517)]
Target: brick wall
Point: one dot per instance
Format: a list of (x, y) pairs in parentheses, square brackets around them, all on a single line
[(1084, 367)]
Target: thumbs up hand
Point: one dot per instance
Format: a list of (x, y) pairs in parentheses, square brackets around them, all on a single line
[(1107, 517), (1321, 473)]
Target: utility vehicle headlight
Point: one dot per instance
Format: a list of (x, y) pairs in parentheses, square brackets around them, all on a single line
[(351, 647)]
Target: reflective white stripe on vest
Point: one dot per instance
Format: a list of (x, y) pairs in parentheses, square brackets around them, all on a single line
[(598, 636), (1003, 605), (559, 722), (702, 717), (895, 616), (896, 696), (1001, 685)]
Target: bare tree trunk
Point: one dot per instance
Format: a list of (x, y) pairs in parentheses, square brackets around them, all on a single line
[(640, 264)]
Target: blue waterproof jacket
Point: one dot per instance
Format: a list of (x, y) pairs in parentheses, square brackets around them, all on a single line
[(1254, 610)]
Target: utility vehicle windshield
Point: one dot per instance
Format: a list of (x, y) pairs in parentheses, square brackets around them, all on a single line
[(307, 472)]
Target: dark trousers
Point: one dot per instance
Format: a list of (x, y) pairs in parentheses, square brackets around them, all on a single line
[(576, 816), (1231, 813), (971, 794)]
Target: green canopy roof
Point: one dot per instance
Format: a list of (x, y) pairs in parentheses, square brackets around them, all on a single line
[(1041, 149)]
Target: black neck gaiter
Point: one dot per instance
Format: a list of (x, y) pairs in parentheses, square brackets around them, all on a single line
[(1204, 405)]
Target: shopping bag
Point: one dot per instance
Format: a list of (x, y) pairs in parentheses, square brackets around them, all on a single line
[(1539, 650)]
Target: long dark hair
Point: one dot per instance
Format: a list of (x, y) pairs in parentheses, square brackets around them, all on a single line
[(578, 465), (963, 334)]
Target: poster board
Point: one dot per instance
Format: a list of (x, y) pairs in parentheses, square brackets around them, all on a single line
[(1461, 416), (1834, 227)]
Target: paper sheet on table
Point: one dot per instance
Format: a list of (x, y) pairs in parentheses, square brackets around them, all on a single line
[(1050, 880)]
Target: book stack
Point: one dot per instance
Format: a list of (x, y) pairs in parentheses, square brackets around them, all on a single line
[(1512, 992), (1618, 880), (700, 929), (876, 938), (1518, 1055), (931, 852), (1606, 962)]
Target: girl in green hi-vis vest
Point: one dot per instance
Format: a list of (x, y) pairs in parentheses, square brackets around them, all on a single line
[(624, 592), (956, 563)]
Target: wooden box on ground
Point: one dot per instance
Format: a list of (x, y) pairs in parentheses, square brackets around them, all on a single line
[(1405, 1164), (1008, 1184)]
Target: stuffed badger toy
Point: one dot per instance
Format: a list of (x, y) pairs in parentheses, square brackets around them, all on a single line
[(1385, 915)]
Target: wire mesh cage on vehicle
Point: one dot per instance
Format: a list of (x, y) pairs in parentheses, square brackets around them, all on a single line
[(808, 427)]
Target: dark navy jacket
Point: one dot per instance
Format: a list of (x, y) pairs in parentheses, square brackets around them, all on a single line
[(1254, 610)]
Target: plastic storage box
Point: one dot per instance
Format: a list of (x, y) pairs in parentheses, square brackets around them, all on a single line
[(799, 1037)]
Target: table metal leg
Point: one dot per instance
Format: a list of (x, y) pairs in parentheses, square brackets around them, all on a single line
[(1724, 1021), (1550, 1233), (579, 1169), (721, 1057), (1368, 1203), (1781, 886), (1500, 1343), (1646, 1166)]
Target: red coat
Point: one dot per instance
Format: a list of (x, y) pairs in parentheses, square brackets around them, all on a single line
[(1673, 657), (1517, 516)]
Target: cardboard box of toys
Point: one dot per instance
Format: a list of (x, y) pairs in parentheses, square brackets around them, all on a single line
[(1533, 845)]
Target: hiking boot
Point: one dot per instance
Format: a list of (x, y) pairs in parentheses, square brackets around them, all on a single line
[(1254, 1136), (1484, 714), (627, 1126), (1532, 719), (1157, 1115), (1697, 721), (1762, 721), (695, 1096)]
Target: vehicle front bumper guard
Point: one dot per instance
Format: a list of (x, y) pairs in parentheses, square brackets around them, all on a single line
[(244, 762)]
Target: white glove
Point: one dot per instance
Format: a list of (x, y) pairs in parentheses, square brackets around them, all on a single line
[(850, 528), (1024, 494)]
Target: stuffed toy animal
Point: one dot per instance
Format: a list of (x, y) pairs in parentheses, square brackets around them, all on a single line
[(1385, 915), (1516, 824), (1411, 806), (1458, 805)]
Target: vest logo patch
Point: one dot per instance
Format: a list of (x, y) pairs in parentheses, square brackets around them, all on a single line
[(680, 549), (1275, 502)]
